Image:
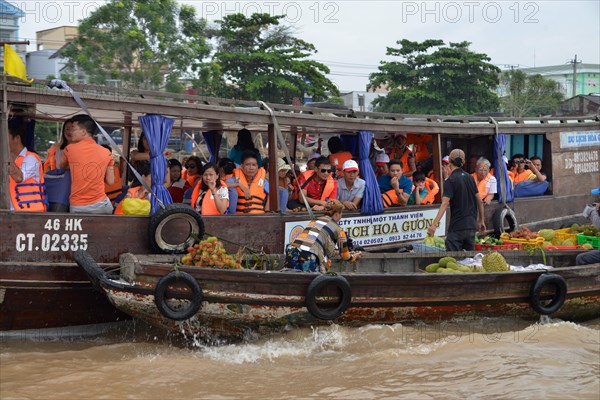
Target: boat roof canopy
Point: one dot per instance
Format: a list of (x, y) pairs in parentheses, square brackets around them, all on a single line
[(120, 107)]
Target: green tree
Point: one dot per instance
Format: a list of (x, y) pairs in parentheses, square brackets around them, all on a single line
[(529, 95), (261, 60), (432, 78), (144, 44)]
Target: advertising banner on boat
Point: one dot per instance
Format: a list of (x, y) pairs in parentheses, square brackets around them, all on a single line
[(579, 139), (371, 230)]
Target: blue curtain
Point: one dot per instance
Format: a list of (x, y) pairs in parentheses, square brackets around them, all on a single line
[(350, 143), (157, 129), (371, 202), (499, 165), (30, 135), (213, 142)]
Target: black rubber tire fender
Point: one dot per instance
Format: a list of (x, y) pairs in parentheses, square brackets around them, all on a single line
[(161, 290), (170, 213), (557, 300), (316, 285), (501, 216)]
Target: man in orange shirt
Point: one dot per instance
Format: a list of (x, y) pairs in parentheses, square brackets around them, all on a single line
[(89, 165)]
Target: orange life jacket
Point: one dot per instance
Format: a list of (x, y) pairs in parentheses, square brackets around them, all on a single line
[(50, 163), (419, 142), (208, 201), (390, 198), (114, 190), (404, 158), (133, 192), (523, 176), (329, 184), (338, 159), (432, 189), (29, 195), (258, 198), (482, 185)]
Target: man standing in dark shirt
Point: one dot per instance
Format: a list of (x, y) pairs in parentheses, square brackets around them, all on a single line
[(466, 208)]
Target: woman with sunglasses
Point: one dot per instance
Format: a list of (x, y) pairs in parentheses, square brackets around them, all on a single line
[(193, 167), (318, 185), (321, 240), (210, 196)]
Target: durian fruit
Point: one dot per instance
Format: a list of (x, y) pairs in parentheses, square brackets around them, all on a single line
[(587, 246), (547, 234), (432, 267), (494, 262), (546, 244), (569, 242), (445, 260)]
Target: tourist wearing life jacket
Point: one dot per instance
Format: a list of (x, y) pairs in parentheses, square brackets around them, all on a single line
[(26, 175), (137, 192), (318, 185), (54, 153), (397, 149), (91, 166), (526, 170), (320, 241), (419, 190), (193, 166), (251, 184), (487, 185), (381, 165), (395, 187), (337, 155), (210, 196)]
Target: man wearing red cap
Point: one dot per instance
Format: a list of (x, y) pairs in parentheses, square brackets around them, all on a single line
[(350, 187), (466, 207)]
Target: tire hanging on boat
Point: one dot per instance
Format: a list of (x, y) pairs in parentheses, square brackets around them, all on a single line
[(501, 217), (161, 290), (558, 298), (314, 289), (168, 214)]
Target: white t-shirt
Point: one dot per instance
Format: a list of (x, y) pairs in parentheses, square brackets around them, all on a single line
[(492, 185)]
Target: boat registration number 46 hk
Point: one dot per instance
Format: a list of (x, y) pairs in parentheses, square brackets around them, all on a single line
[(59, 238)]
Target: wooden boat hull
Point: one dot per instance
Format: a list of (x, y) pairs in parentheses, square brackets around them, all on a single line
[(236, 302)]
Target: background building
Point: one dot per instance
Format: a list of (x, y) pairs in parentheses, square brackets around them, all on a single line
[(9, 27), (587, 80)]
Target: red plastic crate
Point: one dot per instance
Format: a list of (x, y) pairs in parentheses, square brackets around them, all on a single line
[(506, 246), (564, 248)]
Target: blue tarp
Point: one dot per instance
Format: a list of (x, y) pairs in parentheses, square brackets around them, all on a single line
[(213, 142), (157, 129), (500, 170), (371, 202)]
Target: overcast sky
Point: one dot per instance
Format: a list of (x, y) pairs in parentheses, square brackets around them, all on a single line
[(351, 36)]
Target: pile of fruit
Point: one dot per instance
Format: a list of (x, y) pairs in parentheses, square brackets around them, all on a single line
[(210, 253), (586, 230), (489, 240), (492, 262), (523, 233), (435, 241)]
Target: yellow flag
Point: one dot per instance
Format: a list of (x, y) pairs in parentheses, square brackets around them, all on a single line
[(13, 65)]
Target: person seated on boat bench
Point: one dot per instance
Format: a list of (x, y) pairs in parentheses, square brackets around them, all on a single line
[(419, 190), (25, 171), (91, 166), (395, 187), (466, 207), (251, 184), (226, 168), (318, 185), (138, 191), (317, 243), (210, 196), (526, 170), (54, 153), (337, 155), (485, 181), (351, 188)]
